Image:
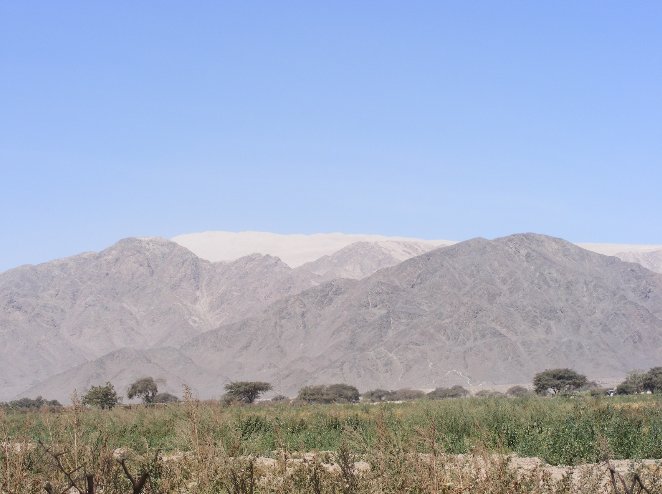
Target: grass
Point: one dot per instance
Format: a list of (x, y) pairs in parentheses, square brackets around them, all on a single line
[(215, 441)]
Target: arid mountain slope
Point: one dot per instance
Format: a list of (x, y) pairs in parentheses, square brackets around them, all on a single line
[(481, 311), (139, 293), (361, 259)]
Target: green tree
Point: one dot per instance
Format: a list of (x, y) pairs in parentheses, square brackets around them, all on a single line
[(558, 381), (103, 397), (334, 393), (144, 388), (245, 391), (652, 380), (33, 404), (442, 393), (517, 391), (375, 395), (633, 384), (165, 398)]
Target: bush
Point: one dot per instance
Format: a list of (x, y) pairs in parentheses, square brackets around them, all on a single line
[(517, 391), (633, 383), (376, 395), (599, 391), (652, 380), (33, 404), (488, 393), (405, 394), (443, 393), (165, 398), (557, 381), (334, 393), (103, 397)]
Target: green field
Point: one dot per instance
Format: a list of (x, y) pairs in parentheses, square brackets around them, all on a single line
[(559, 430)]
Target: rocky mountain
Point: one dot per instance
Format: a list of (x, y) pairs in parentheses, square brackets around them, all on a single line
[(139, 293), (477, 313), (168, 366)]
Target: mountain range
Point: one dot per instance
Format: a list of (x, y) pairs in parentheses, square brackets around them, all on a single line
[(373, 312)]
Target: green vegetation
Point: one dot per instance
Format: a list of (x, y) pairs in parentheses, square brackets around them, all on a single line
[(333, 393), (145, 389), (453, 392), (211, 442), (245, 391), (165, 398), (104, 397), (557, 381)]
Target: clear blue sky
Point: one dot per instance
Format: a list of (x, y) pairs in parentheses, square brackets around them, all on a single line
[(429, 119)]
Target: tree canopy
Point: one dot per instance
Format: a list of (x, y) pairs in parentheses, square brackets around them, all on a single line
[(333, 393), (165, 398), (456, 391), (653, 380), (103, 397), (144, 388), (245, 391), (558, 381)]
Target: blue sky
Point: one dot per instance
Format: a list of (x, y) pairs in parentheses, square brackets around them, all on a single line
[(430, 119)]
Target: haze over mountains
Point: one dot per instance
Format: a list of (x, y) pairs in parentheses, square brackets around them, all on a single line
[(370, 312)]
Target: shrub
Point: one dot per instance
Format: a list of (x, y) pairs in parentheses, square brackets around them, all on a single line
[(405, 394), (487, 393), (165, 398), (334, 393), (599, 391), (442, 393), (517, 391), (652, 380), (33, 404), (376, 395)]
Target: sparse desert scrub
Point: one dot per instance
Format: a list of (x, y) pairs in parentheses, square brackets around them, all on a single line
[(460, 445)]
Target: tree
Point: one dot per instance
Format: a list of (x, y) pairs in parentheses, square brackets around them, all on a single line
[(517, 391), (343, 393), (652, 380), (442, 393), (406, 394), (165, 398), (376, 395), (245, 391), (144, 388), (334, 393), (558, 381), (33, 404), (103, 397), (633, 384)]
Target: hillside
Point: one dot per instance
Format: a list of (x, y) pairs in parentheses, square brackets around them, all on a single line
[(139, 293), (477, 313)]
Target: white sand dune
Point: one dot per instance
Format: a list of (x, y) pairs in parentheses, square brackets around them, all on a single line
[(293, 249), (298, 249)]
